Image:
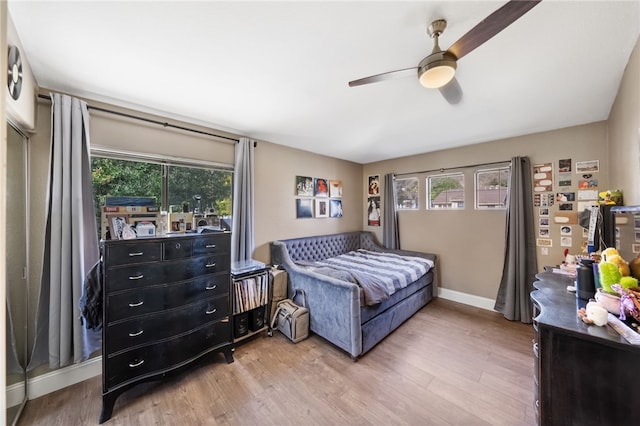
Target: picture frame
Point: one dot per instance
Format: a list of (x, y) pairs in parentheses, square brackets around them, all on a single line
[(304, 208), (587, 166), (304, 186), (335, 188), (116, 226), (322, 208), (335, 208), (373, 211), (320, 187), (373, 185), (544, 242)]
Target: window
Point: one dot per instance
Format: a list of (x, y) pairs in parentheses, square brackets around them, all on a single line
[(407, 193), (170, 184), (492, 188), (446, 191)]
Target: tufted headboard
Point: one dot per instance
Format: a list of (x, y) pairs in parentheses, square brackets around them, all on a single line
[(321, 247)]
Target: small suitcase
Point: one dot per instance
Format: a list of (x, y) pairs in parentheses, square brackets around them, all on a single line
[(291, 319)]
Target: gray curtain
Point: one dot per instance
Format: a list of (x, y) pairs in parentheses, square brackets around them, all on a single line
[(520, 264), (390, 231), (71, 240), (242, 222)]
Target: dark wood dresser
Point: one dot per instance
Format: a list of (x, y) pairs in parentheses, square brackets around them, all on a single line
[(166, 303), (583, 374)]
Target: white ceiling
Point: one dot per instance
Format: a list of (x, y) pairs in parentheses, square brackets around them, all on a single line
[(278, 71)]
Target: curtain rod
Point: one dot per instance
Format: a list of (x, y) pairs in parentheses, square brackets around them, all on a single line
[(149, 120), (453, 168)]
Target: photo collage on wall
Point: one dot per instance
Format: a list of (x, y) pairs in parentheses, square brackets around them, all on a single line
[(318, 197), (373, 200), (576, 191)]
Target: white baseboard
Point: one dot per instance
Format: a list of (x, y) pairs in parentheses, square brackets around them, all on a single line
[(467, 299), (63, 377), (15, 394)]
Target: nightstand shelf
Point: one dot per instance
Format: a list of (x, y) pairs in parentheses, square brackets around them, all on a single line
[(251, 294)]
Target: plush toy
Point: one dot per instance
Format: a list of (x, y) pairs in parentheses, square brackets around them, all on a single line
[(628, 282), (609, 275), (597, 313), (611, 255), (634, 267)]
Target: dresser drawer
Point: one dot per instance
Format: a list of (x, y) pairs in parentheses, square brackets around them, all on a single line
[(178, 248), (135, 276), (211, 244), (163, 325), (164, 356), (126, 304), (134, 252)]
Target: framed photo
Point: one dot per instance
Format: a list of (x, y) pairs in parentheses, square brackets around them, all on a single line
[(373, 211), (320, 187), (335, 188), (544, 242), (587, 166), (116, 225), (566, 242), (335, 208), (304, 208), (373, 185), (564, 165), (304, 186), (565, 230), (322, 208)]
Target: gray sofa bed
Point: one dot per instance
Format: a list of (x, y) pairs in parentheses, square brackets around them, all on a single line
[(337, 307)]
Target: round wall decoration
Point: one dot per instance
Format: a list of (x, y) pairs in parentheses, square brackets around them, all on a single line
[(14, 72)]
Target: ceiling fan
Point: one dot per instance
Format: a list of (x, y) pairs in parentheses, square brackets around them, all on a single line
[(437, 71)]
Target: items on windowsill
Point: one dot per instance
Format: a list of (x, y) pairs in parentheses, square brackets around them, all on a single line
[(128, 232)]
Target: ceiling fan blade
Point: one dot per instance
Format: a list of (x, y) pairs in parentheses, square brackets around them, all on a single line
[(452, 92), (385, 76), (491, 25)]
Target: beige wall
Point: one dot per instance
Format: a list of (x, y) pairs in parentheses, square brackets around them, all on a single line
[(624, 132), (470, 243), (276, 168)]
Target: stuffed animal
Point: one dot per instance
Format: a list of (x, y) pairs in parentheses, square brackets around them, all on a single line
[(609, 275)]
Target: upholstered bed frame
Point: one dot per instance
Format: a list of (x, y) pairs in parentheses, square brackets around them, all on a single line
[(337, 311)]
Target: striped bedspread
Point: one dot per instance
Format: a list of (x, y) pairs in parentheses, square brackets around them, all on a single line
[(379, 274)]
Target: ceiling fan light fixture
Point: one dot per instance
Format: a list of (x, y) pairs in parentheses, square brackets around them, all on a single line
[(437, 69)]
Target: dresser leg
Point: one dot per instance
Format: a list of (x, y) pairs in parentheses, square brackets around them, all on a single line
[(108, 401), (228, 355)]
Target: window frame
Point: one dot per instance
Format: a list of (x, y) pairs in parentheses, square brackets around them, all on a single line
[(428, 182), (165, 163), (506, 168), (417, 199)]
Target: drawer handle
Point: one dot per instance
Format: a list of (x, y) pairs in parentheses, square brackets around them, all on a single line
[(140, 253), (210, 246), (212, 311), (136, 364), (212, 287), (137, 277), (133, 305), (210, 265), (136, 334)]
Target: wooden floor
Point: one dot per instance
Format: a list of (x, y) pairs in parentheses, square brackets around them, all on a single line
[(450, 364)]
